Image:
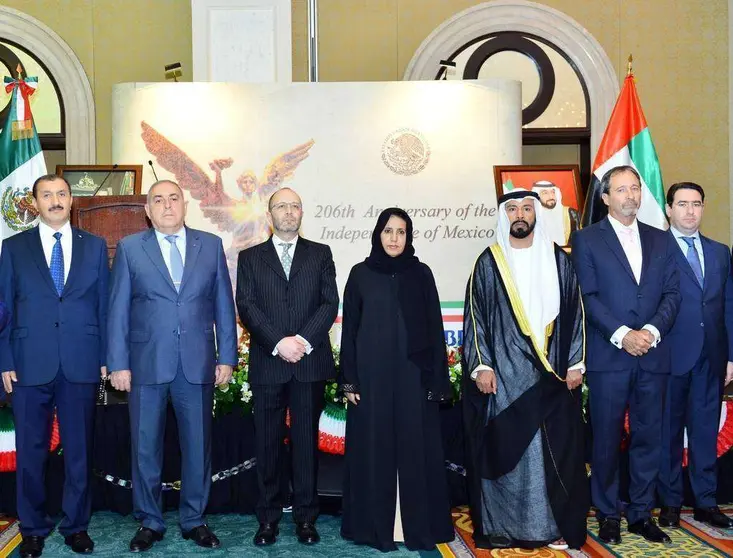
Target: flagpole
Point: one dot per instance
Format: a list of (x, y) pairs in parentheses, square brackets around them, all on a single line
[(629, 71)]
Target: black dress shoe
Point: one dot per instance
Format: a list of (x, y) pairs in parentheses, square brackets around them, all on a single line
[(266, 534), (669, 517), (31, 547), (80, 542), (609, 530), (202, 536), (144, 539), (307, 533), (713, 516), (648, 529)]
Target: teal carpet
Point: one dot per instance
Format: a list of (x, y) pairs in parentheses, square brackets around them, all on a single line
[(112, 532)]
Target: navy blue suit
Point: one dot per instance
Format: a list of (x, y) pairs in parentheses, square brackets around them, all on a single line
[(699, 342), (166, 338), (616, 379), (56, 345)]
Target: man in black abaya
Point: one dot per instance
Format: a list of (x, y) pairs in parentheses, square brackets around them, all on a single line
[(524, 351)]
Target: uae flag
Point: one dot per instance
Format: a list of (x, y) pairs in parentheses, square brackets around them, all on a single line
[(21, 159), (627, 141)]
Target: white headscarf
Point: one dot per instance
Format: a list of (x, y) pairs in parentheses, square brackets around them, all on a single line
[(554, 219), (534, 271)]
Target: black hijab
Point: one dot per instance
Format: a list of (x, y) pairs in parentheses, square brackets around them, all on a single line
[(378, 259), (419, 304)]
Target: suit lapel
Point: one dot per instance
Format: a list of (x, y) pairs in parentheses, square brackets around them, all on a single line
[(77, 258), (269, 254), (684, 265), (609, 235), (646, 250), (301, 254), (35, 248), (193, 248), (708, 255), (152, 249)]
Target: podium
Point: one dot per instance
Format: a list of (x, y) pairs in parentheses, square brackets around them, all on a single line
[(111, 217)]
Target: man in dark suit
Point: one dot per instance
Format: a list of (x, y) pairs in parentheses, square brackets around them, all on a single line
[(171, 310), (54, 280), (701, 340), (630, 286), (287, 299)]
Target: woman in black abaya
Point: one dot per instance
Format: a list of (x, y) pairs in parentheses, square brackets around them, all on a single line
[(394, 372)]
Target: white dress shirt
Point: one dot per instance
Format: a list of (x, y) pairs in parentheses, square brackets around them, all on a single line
[(48, 241), (165, 246), (683, 245), (278, 242), (631, 244)]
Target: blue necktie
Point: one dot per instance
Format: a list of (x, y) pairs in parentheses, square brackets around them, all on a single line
[(57, 264), (693, 258), (176, 262)]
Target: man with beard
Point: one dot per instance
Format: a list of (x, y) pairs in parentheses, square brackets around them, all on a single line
[(631, 291), (560, 221), (287, 299), (524, 333)]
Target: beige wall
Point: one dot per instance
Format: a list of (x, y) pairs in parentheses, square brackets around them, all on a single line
[(681, 64), (680, 49)]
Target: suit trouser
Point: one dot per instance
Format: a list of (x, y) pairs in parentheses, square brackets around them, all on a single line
[(305, 401), (193, 405), (693, 401), (611, 392), (33, 412)]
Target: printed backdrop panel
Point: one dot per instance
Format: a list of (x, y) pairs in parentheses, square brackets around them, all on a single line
[(349, 149)]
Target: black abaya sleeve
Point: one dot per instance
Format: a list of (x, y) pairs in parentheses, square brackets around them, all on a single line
[(348, 377), (438, 383)]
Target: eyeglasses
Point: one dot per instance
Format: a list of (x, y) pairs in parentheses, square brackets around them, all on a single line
[(282, 206)]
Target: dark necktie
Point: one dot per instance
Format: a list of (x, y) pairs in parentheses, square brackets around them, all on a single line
[(693, 258), (57, 264)]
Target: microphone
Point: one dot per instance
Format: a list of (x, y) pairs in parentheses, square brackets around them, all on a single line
[(114, 168), (153, 168)]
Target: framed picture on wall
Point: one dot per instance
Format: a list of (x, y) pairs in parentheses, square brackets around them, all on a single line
[(560, 194), (102, 180)]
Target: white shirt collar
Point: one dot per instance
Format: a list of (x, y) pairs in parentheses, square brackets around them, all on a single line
[(276, 240), (45, 231), (618, 225), (678, 234), (180, 233)]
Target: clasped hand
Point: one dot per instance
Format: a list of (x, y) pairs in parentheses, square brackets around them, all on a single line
[(638, 342), (291, 349)]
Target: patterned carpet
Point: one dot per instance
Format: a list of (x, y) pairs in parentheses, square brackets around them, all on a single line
[(112, 533), (693, 539)]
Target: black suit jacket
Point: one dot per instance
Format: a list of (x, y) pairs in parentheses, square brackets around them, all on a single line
[(272, 307)]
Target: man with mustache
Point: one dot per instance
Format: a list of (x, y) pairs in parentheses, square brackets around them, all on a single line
[(559, 219), (630, 284), (287, 299), (53, 278), (523, 330)]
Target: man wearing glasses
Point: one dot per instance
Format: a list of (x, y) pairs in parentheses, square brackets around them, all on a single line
[(287, 300)]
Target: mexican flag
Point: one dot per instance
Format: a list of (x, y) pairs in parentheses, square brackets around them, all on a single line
[(21, 159), (627, 141)]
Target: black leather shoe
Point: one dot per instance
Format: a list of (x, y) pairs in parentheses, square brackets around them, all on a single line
[(669, 517), (609, 530), (648, 529), (202, 536), (266, 534), (713, 516), (80, 542), (31, 547), (307, 533), (144, 539)]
